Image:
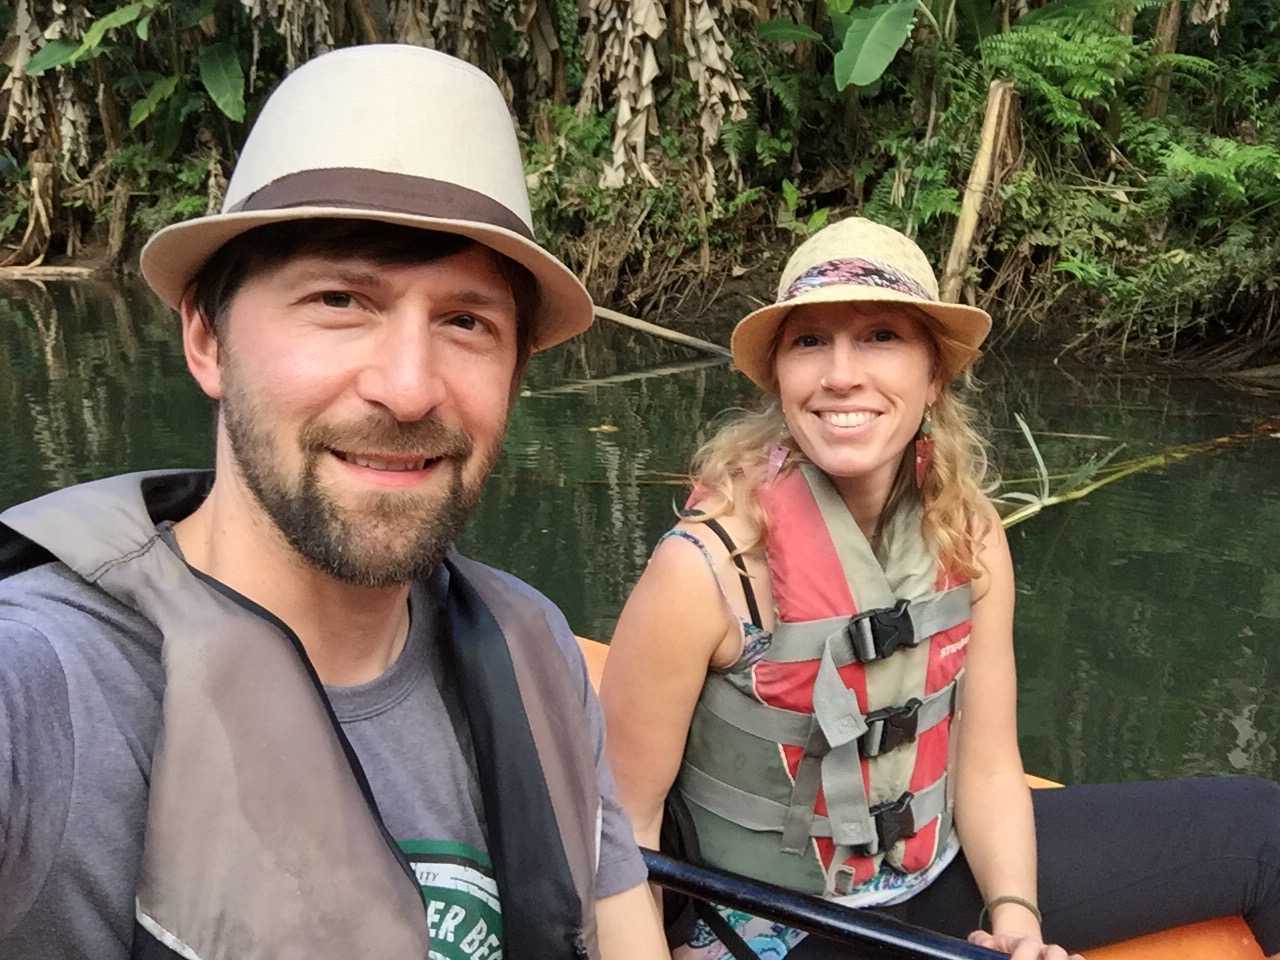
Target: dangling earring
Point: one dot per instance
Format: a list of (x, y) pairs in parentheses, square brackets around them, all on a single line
[(924, 447)]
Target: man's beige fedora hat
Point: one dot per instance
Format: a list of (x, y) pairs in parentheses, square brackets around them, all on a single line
[(858, 261), (387, 132)]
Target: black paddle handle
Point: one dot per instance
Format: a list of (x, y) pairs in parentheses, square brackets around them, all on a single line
[(872, 936)]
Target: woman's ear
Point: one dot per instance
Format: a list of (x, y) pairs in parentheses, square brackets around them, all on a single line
[(201, 347), (936, 386)]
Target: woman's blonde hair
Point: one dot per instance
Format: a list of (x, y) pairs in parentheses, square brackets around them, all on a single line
[(729, 468)]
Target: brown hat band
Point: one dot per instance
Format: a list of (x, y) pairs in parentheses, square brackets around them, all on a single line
[(359, 188)]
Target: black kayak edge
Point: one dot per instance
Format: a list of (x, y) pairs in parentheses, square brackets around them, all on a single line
[(873, 936)]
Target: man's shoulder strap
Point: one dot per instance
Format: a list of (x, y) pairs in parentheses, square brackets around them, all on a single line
[(535, 765), (92, 524)]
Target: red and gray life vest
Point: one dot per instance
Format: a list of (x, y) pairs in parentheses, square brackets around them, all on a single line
[(262, 837), (828, 756)]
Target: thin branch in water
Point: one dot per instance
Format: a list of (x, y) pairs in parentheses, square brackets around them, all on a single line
[(580, 386), (1093, 475)]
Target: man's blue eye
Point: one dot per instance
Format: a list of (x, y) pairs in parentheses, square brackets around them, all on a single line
[(333, 298), (807, 340), (884, 336), (465, 321)]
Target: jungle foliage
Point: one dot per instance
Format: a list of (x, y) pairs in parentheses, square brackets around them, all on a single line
[(671, 143)]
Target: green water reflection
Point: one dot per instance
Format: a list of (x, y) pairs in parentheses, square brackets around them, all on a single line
[(1149, 613)]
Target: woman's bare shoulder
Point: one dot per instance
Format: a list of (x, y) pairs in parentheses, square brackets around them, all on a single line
[(987, 527)]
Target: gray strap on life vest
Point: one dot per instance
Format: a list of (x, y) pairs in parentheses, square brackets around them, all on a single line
[(761, 814), (794, 729), (831, 760), (835, 707), (775, 724), (953, 734), (852, 639), (798, 822)]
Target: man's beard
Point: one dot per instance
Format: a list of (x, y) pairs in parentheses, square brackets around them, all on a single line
[(389, 538)]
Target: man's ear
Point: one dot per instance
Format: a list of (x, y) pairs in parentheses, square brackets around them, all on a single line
[(517, 382), (200, 346)]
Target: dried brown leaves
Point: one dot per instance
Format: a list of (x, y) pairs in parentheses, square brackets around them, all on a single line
[(457, 27), (54, 108), (303, 24), (720, 88), (618, 49), (1213, 12), (23, 115)]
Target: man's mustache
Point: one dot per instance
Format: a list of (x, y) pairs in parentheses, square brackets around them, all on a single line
[(429, 438)]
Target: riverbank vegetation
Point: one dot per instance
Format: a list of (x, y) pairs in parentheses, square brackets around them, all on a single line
[(1132, 180)]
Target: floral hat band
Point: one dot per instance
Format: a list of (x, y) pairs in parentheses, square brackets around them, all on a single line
[(858, 272), (859, 261)]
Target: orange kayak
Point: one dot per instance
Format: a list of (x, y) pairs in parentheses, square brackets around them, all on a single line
[(1226, 939)]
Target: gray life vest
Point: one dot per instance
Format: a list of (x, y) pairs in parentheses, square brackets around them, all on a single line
[(828, 755), (262, 837)]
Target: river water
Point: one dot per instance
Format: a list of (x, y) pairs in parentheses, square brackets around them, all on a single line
[(1148, 623)]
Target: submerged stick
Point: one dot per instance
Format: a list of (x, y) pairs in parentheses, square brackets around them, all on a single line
[(1118, 471), (1269, 374), (37, 273), (604, 313), (578, 386)]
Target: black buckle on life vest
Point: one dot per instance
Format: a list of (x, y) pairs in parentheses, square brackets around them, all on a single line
[(890, 728), (876, 634), (894, 821)]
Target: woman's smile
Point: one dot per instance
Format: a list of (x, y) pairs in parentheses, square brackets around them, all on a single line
[(845, 419)]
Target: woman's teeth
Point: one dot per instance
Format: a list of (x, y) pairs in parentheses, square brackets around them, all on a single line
[(848, 419)]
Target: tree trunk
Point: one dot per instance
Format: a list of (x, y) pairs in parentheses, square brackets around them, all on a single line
[(368, 22), (1114, 116), (118, 226), (994, 132), (113, 128), (559, 77), (1166, 37), (35, 240), (679, 11)]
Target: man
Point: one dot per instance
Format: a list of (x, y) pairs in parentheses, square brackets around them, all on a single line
[(267, 712)]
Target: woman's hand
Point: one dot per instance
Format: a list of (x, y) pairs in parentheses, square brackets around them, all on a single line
[(1021, 947), (993, 810)]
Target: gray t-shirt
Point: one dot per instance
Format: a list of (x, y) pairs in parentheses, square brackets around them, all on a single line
[(80, 704)]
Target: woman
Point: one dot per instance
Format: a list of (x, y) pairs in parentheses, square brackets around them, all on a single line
[(793, 660)]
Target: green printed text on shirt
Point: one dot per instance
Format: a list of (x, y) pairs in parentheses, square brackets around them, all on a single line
[(463, 912)]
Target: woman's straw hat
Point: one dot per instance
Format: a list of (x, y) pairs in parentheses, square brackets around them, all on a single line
[(387, 132), (858, 261)]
